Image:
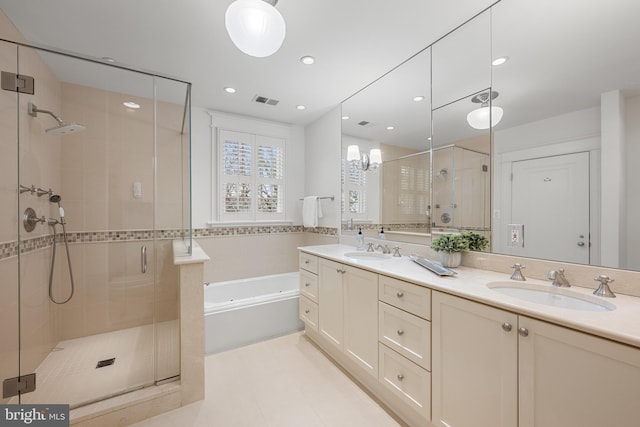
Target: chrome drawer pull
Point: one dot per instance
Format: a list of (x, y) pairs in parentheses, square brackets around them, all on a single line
[(306, 261), (306, 311), (307, 284), (400, 332), (400, 294), (400, 377), (506, 326), (524, 332)]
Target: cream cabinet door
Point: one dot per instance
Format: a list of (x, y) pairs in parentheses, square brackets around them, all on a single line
[(569, 378), (361, 318), (474, 364), (330, 301)]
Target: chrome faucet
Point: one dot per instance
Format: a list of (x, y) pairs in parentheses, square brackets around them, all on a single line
[(385, 249), (370, 247), (517, 273), (603, 290), (558, 278)]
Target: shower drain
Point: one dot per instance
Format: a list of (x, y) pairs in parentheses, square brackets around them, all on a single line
[(106, 362)]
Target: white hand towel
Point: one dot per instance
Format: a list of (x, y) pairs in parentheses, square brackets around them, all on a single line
[(310, 211)]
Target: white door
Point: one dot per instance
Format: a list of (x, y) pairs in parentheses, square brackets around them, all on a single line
[(550, 196)]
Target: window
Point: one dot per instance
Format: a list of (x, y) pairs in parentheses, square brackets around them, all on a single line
[(251, 177), (354, 186)]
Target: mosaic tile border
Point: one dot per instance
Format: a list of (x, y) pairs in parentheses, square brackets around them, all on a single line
[(10, 249)]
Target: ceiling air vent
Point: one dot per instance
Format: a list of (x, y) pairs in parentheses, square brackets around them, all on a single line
[(264, 100), (364, 123)]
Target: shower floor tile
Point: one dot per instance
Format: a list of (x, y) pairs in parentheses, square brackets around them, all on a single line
[(69, 374)]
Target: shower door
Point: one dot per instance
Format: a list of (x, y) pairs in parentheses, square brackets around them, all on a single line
[(101, 341)]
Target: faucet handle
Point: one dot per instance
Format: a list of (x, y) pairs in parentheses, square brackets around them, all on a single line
[(517, 274), (370, 247), (396, 252), (603, 289)]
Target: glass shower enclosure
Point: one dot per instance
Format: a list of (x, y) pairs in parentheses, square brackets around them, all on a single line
[(95, 164)]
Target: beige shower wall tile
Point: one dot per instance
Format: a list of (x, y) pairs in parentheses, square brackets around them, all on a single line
[(9, 320)]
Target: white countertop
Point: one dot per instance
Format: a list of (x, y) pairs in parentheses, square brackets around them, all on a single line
[(621, 324)]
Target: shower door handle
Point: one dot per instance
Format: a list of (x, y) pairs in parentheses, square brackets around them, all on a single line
[(143, 259)]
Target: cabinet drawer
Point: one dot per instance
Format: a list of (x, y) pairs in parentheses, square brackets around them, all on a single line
[(406, 296), (309, 285), (309, 313), (309, 262), (405, 379), (407, 334)]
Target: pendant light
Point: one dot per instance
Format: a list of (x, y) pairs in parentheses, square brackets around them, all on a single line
[(255, 26), (479, 118)]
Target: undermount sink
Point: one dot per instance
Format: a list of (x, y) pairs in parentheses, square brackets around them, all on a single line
[(367, 256), (548, 295)]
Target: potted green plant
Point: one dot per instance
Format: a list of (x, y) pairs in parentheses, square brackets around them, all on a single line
[(477, 242), (450, 248)]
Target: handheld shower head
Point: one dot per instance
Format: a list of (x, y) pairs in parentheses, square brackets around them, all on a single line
[(56, 199)]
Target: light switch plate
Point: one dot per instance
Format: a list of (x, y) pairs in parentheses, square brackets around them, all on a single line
[(515, 236)]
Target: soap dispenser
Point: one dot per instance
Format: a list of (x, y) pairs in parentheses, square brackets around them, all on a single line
[(360, 240), (381, 236)]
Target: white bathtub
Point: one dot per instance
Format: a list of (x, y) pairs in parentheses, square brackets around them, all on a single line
[(241, 312)]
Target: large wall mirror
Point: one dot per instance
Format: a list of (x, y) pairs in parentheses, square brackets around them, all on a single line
[(558, 167)]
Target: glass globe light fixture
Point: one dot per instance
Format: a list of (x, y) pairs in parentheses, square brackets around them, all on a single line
[(255, 26), (479, 118)]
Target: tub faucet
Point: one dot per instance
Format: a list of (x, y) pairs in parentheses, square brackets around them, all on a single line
[(517, 273), (558, 278)]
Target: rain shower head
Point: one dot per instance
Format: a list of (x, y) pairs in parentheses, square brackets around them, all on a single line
[(66, 128), (62, 128)]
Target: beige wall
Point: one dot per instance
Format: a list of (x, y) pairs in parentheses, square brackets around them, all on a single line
[(242, 256)]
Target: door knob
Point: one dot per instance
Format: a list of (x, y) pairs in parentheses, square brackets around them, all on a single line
[(580, 243)]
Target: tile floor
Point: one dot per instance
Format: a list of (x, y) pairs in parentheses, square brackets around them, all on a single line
[(283, 382)]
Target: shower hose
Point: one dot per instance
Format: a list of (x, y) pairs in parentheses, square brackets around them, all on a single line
[(53, 262)]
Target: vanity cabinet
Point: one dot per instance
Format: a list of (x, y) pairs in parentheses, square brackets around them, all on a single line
[(404, 335), (348, 312), (308, 306), (495, 368)]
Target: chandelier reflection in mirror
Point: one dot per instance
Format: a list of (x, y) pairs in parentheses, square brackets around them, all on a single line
[(479, 118), (255, 26), (364, 161)]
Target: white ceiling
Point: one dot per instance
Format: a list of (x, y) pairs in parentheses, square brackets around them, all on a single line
[(354, 43)]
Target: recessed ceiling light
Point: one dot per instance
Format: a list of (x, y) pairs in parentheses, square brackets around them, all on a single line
[(390, 127), (418, 98), (108, 59), (345, 117), (131, 104), (307, 60), (300, 107), (500, 61), (229, 90)]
